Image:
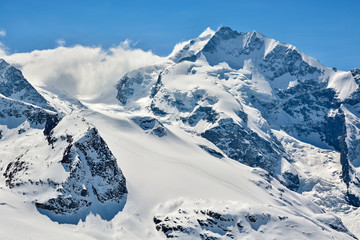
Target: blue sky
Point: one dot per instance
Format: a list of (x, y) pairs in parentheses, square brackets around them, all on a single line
[(327, 30)]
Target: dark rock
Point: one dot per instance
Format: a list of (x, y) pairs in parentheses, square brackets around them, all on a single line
[(50, 123), (202, 113), (151, 125), (244, 145), (13, 172), (91, 166), (212, 151), (292, 181), (14, 85)]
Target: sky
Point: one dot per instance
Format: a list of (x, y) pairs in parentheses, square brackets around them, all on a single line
[(327, 30)]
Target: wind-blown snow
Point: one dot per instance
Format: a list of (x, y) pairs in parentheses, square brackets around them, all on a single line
[(83, 72)]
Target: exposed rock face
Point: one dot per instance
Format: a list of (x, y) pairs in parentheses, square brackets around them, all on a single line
[(14, 113), (212, 151), (244, 145), (93, 176), (135, 85), (202, 113), (151, 125), (89, 179)]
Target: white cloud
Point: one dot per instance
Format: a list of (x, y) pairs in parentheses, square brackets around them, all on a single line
[(84, 72), (2, 32), (60, 42)]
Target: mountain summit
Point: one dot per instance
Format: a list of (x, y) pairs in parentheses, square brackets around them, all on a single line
[(278, 62)]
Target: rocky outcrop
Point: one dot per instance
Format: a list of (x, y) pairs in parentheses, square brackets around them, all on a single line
[(151, 125), (228, 220), (244, 145), (94, 180)]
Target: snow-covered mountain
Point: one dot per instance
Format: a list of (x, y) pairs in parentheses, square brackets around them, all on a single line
[(235, 135), (58, 162)]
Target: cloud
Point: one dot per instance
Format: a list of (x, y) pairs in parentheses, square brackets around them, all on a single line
[(2, 32), (60, 42), (83, 72)]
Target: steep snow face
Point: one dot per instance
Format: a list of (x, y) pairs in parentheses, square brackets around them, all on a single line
[(15, 86), (319, 172), (14, 114)]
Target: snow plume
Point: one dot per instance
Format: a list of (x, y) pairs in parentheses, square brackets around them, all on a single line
[(83, 72), (2, 32), (60, 42)]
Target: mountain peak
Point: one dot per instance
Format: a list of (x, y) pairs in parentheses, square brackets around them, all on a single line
[(227, 33), (355, 71), (2, 61), (3, 67), (210, 39), (356, 74), (14, 85), (208, 32)]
